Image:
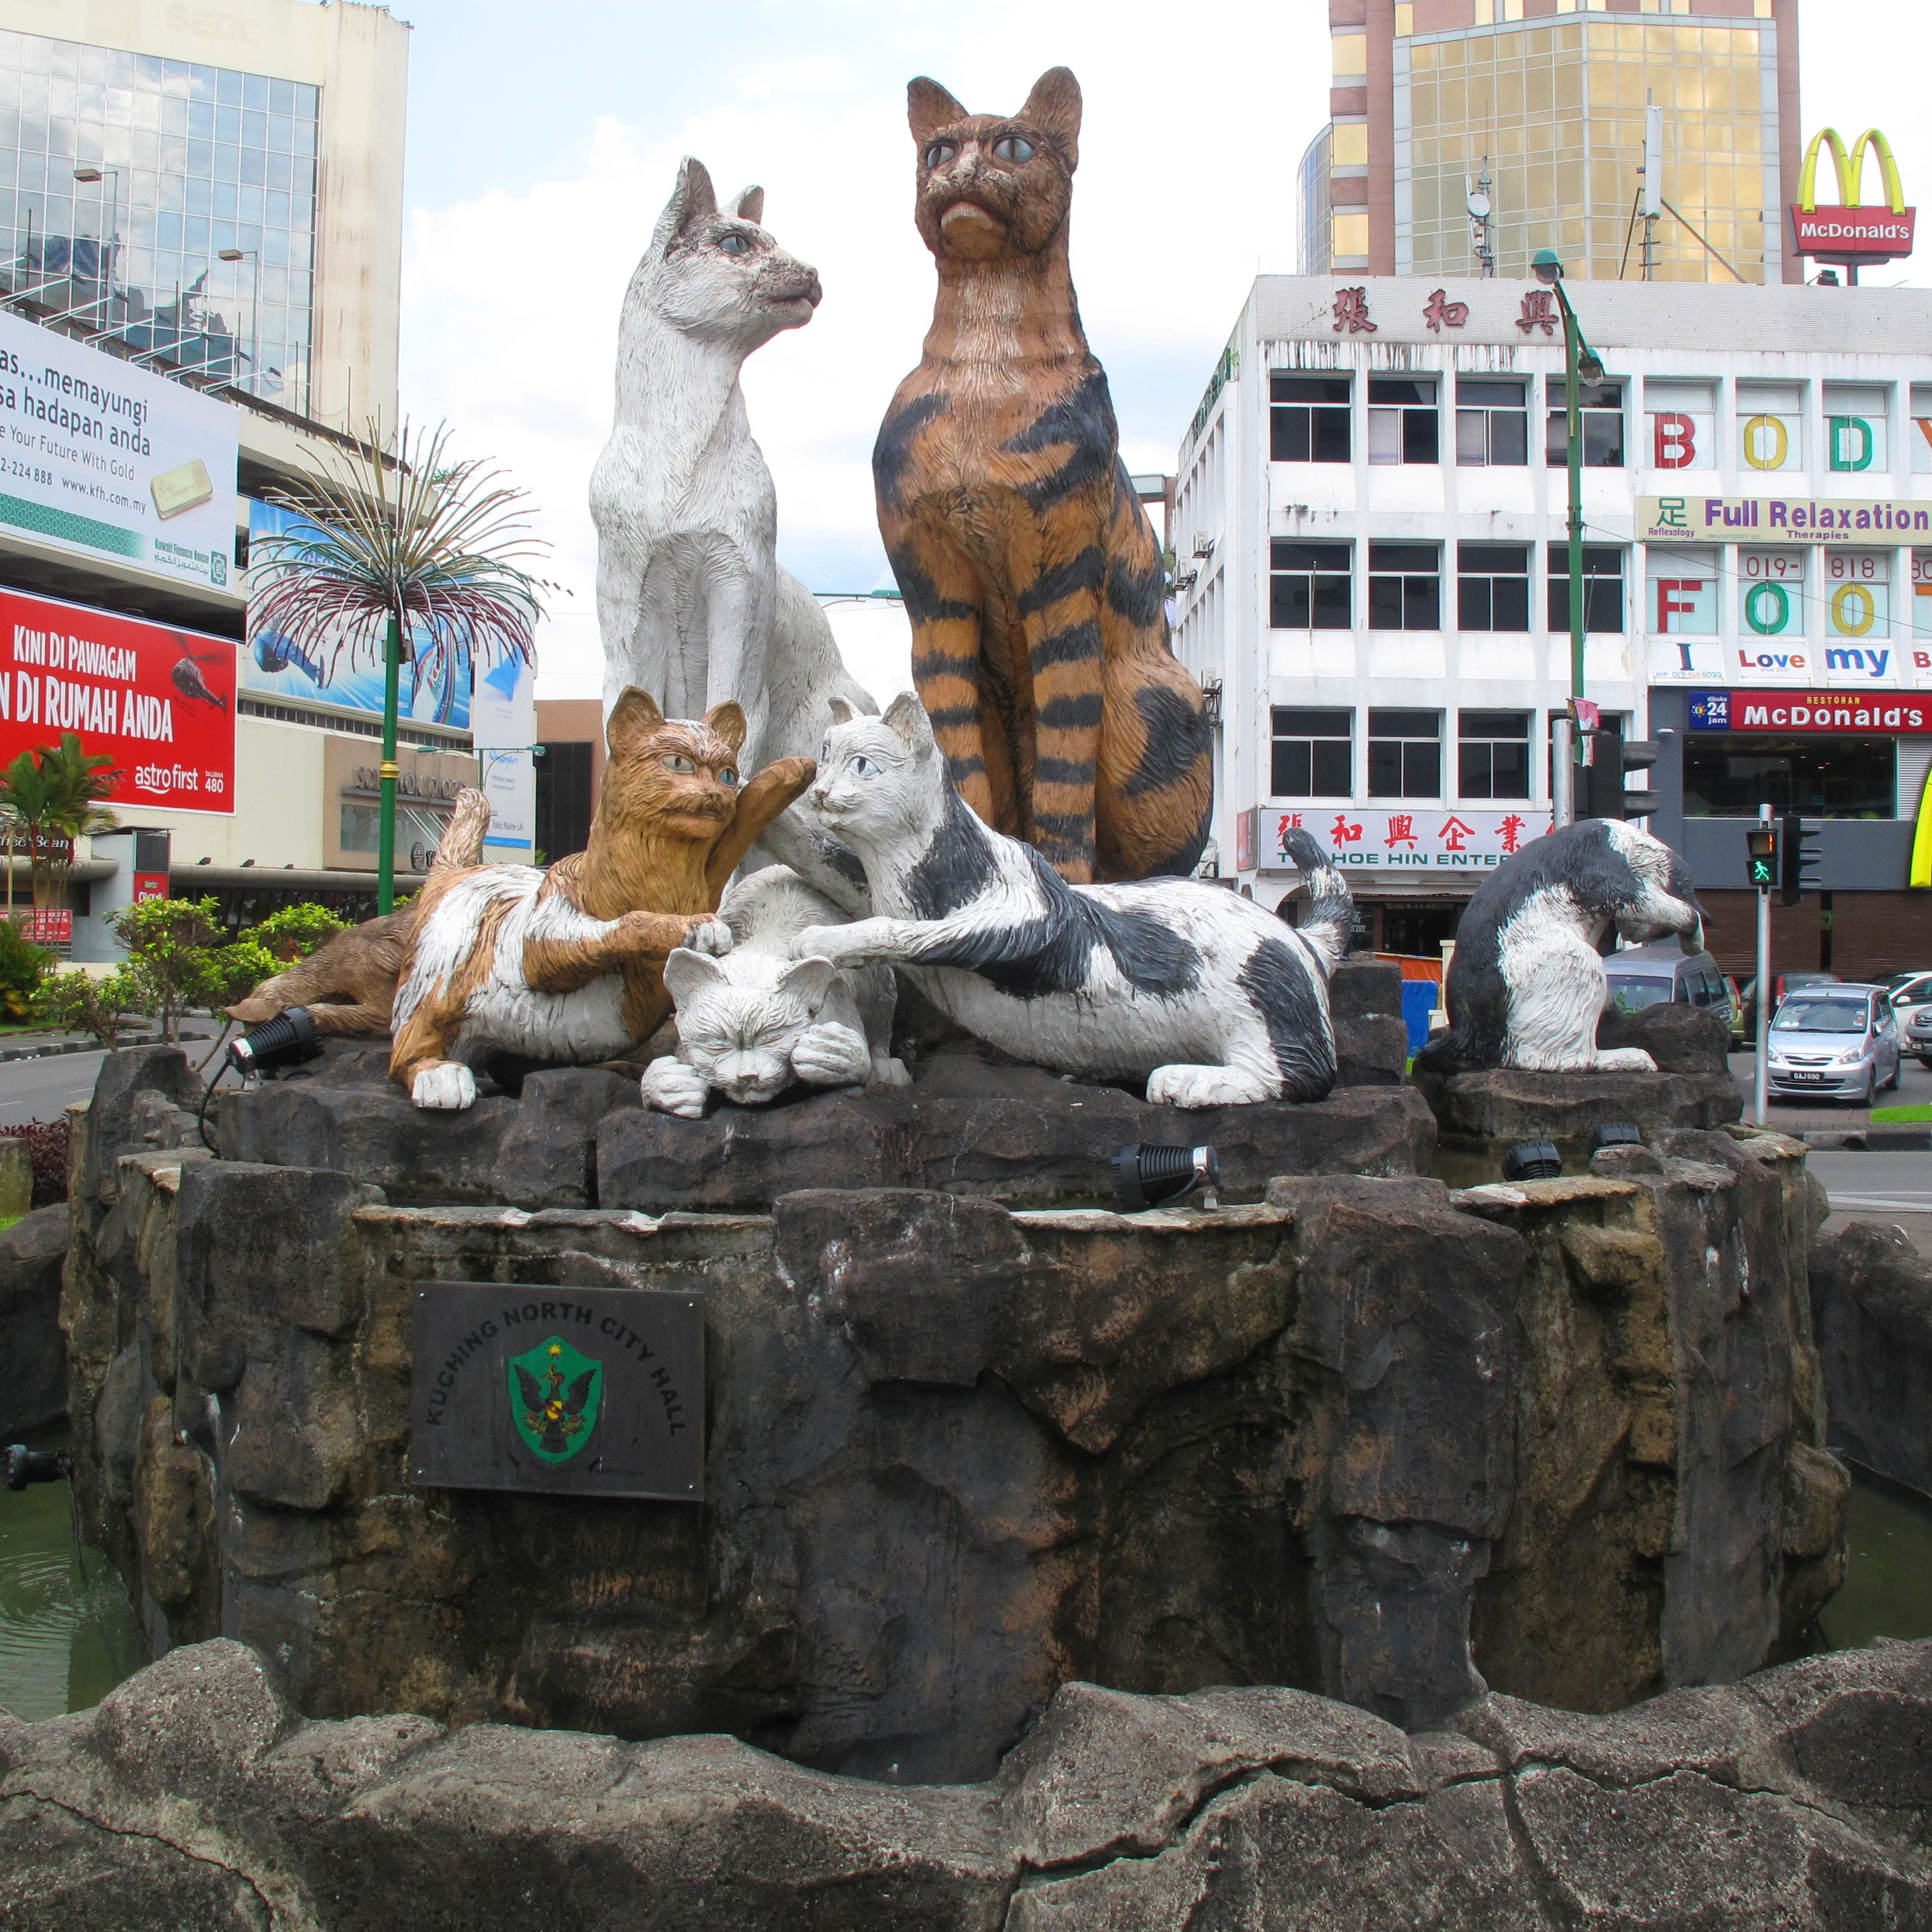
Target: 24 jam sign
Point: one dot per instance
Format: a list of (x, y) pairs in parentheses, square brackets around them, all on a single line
[(580, 1391), (159, 701)]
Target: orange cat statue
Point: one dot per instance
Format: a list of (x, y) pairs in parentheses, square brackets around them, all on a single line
[(1029, 570), (567, 965)]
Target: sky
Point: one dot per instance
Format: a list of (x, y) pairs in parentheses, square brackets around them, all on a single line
[(544, 141)]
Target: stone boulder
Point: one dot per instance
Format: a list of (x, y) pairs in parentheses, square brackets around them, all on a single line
[(1680, 1039), (193, 1796), (33, 1351), (1871, 1296)]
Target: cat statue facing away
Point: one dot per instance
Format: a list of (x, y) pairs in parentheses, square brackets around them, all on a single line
[(566, 965), (1211, 999), (752, 1023), (692, 607)]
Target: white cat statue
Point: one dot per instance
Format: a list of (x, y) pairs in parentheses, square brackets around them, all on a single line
[(1211, 999), (754, 1021), (692, 605)]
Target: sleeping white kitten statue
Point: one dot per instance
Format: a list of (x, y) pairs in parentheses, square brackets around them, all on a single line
[(752, 1022), (1211, 999)]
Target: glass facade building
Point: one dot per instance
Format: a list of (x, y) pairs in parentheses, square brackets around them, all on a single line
[(189, 162)]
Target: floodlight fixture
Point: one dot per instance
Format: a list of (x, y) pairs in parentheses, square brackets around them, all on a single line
[(1157, 1177), (24, 1465), (291, 1039), (1533, 1160), (1614, 1133)]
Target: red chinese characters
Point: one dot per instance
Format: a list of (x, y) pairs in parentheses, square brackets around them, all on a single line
[(1343, 833), (1455, 835), (1352, 312), (1539, 311), (1511, 829), (1440, 313), (1401, 830)]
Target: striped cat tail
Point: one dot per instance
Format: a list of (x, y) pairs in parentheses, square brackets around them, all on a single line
[(1329, 917), (461, 844)]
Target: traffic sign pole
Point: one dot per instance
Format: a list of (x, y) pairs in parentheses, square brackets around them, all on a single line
[(1760, 1073)]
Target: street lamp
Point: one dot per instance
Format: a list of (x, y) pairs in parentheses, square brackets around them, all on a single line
[(1581, 364), (254, 257), (106, 264)]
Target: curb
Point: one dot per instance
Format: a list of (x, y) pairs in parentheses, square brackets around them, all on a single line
[(89, 1046), (1869, 1140)]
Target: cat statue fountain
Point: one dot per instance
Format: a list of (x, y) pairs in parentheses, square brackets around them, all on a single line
[(691, 606), (1211, 999), (753, 1022)]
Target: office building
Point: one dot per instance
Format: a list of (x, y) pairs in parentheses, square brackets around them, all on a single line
[(1545, 100), (1370, 517)]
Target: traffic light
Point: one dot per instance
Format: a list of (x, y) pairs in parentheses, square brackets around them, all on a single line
[(1797, 857), (1761, 841), (1600, 784)]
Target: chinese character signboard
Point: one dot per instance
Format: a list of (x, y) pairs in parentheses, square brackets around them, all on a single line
[(1884, 711), (1413, 838), (159, 701), (1792, 519)]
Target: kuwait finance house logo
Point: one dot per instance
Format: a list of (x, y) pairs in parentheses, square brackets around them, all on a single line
[(554, 1394), (1710, 711)]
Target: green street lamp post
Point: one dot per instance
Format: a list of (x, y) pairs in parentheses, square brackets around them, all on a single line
[(1581, 364)]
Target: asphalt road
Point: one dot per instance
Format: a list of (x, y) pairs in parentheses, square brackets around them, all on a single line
[(41, 1090), (1914, 1090)]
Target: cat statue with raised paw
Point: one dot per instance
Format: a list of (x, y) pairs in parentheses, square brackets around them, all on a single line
[(1211, 999), (755, 1020)]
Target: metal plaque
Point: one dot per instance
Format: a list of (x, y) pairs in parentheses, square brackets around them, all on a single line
[(574, 1391)]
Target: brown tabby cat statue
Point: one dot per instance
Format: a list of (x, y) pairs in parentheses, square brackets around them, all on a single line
[(566, 966), (1028, 568)]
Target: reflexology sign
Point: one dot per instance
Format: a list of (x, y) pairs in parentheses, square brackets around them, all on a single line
[(1861, 519), (582, 1391)]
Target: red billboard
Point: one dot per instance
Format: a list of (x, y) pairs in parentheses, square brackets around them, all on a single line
[(1853, 234), (158, 700), (1905, 711)]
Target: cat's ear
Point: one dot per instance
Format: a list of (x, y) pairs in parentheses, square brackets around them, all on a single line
[(686, 973), (750, 206), (727, 720), (633, 718), (1055, 106), (693, 199), (842, 713), (808, 980), (907, 716), (929, 108)]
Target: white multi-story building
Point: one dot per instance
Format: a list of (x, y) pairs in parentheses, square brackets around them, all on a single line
[(1371, 560)]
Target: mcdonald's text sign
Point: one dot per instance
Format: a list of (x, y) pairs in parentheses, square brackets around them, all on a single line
[(1850, 232)]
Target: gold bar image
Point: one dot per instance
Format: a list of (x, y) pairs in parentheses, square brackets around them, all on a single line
[(186, 488)]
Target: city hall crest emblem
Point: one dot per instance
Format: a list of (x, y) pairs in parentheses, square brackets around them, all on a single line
[(554, 1394)]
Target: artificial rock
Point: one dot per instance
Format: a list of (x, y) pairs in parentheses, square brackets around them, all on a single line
[(33, 1380), (1871, 1293)]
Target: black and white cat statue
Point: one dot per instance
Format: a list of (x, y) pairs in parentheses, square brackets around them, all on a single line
[(1212, 1000), (1527, 985)]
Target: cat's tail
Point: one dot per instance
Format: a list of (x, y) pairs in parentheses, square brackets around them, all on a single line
[(461, 844), (1329, 917)]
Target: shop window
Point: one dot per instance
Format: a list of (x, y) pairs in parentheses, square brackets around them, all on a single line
[(1771, 425), (1402, 419), (1492, 754), (1770, 592), (1729, 774), (1405, 754), (1858, 602), (1313, 753), (1308, 419), (1602, 414), (1921, 429), (1308, 587), (1922, 595), (1491, 420), (1405, 587), (1855, 425), (1681, 420), (1603, 587), (1681, 593), (565, 797), (1492, 586)]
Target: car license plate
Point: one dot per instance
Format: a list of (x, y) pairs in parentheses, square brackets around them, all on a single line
[(1800, 1076)]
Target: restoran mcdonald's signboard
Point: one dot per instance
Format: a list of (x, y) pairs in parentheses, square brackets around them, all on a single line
[(1851, 232)]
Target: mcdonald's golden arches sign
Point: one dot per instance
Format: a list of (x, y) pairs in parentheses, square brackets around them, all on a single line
[(1850, 231)]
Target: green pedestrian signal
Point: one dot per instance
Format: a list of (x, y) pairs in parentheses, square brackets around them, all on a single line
[(1761, 841)]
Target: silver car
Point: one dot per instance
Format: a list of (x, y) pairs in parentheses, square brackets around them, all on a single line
[(1840, 1041)]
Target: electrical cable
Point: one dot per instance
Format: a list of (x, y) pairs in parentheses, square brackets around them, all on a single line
[(201, 1116)]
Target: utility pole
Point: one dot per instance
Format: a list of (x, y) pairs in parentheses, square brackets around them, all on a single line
[(1653, 182), (1762, 841)]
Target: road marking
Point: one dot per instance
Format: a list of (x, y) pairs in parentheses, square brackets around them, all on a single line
[(1896, 1203)]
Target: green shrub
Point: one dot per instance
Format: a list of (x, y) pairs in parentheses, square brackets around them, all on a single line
[(293, 932), (23, 966)]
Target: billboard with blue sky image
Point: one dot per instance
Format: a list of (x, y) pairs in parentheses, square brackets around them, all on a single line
[(273, 667)]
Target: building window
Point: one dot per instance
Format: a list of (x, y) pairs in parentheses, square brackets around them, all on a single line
[(1771, 425), (1602, 413), (1855, 425), (1402, 419), (1492, 754), (1313, 753), (1857, 603), (1491, 420), (1728, 775), (1921, 429), (1680, 590), (1308, 420), (1405, 587), (1603, 587), (1405, 754), (1681, 419), (1492, 586), (565, 800), (1308, 589)]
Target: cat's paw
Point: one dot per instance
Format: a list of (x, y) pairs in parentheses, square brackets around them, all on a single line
[(1624, 1060), (448, 1087), (824, 942), (887, 1072), (1205, 1086), (672, 1088), (828, 1055), (710, 936)]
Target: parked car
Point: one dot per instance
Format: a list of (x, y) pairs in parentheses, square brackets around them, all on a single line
[(1911, 994), (1834, 1041), (1781, 984), (1915, 1034), (1663, 974)]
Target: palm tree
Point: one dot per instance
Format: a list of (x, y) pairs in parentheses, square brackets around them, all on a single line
[(407, 553), (51, 795)]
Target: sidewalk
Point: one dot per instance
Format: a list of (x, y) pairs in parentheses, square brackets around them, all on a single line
[(38, 1045)]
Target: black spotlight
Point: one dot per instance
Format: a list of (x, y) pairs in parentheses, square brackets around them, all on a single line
[(1157, 1177), (24, 1465), (289, 1039), (1533, 1160), (1614, 1133)]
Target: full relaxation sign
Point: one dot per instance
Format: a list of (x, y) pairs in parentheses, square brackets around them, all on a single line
[(159, 702), (108, 461)]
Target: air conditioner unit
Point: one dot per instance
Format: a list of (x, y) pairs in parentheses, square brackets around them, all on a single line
[(1203, 545)]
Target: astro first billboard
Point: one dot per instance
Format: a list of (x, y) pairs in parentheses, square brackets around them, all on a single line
[(159, 702)]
